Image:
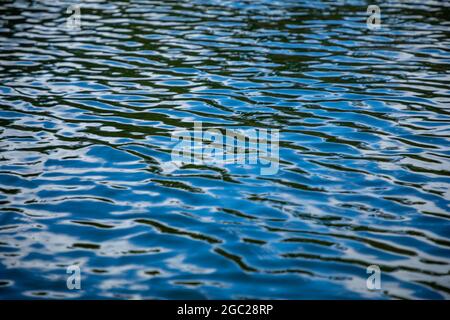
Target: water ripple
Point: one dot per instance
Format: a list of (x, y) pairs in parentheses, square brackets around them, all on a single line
[(86, 120)]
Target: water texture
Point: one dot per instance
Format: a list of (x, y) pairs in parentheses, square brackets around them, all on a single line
[(86, 123)]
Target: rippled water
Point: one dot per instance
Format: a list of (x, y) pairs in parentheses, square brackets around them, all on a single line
[(86, 121)]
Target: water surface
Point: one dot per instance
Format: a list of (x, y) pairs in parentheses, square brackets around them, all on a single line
[(86, 120)]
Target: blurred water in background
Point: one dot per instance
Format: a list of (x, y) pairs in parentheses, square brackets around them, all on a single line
[(86, 120)]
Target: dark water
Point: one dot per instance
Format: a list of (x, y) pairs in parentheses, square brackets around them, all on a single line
[(85, 136)]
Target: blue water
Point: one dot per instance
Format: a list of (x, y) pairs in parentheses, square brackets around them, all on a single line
[(87, 116)]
